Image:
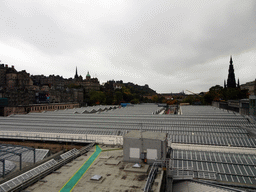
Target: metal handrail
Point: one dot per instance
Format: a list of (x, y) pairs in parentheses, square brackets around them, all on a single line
[(152, 175), (51, 169)]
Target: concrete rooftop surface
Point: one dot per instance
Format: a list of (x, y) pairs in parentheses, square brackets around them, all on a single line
[(116, 175)]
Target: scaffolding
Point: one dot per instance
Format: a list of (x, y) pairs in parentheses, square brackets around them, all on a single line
[(8, 151)]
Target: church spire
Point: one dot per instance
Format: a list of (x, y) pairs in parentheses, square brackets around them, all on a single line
[(76, 75), (231, 82), (225, 85), (238, 83)]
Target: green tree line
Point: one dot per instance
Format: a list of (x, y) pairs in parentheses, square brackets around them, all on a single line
[(217, 93), (127, 94)]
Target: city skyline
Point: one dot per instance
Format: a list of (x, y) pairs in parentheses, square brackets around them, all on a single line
[(169, 45)]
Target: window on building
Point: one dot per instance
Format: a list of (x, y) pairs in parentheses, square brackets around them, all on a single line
[(134, 153)]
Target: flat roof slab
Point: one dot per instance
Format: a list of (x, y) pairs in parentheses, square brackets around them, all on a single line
[(112, 162), (118, 176)]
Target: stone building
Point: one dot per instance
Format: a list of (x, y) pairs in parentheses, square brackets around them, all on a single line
[(66, 90), (55, 82), (11, 79), (16, 86), (89, 84), (251, 86), (252, 109), (8, 76), (3, 69), (60, 83), (22, 89), (19, 96), (24, 80)]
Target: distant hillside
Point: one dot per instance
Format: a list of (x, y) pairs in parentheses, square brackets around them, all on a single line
[(143, 90), (116, 92)]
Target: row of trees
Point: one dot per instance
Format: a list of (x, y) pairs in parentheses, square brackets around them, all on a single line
[(217, 93), (130, 95), (114, 97)]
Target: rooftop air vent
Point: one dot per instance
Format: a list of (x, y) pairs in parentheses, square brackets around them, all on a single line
[(137, 165), (96, 177)]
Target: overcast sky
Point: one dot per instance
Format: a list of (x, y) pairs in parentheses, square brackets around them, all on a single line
[(169, 45)]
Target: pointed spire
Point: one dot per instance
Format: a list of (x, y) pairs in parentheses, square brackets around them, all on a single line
[(231, 83), (76, 75), (225, 85), (231, 61), (238, 83)]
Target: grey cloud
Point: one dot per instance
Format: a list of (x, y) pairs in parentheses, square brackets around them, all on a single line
[(173, 40)]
